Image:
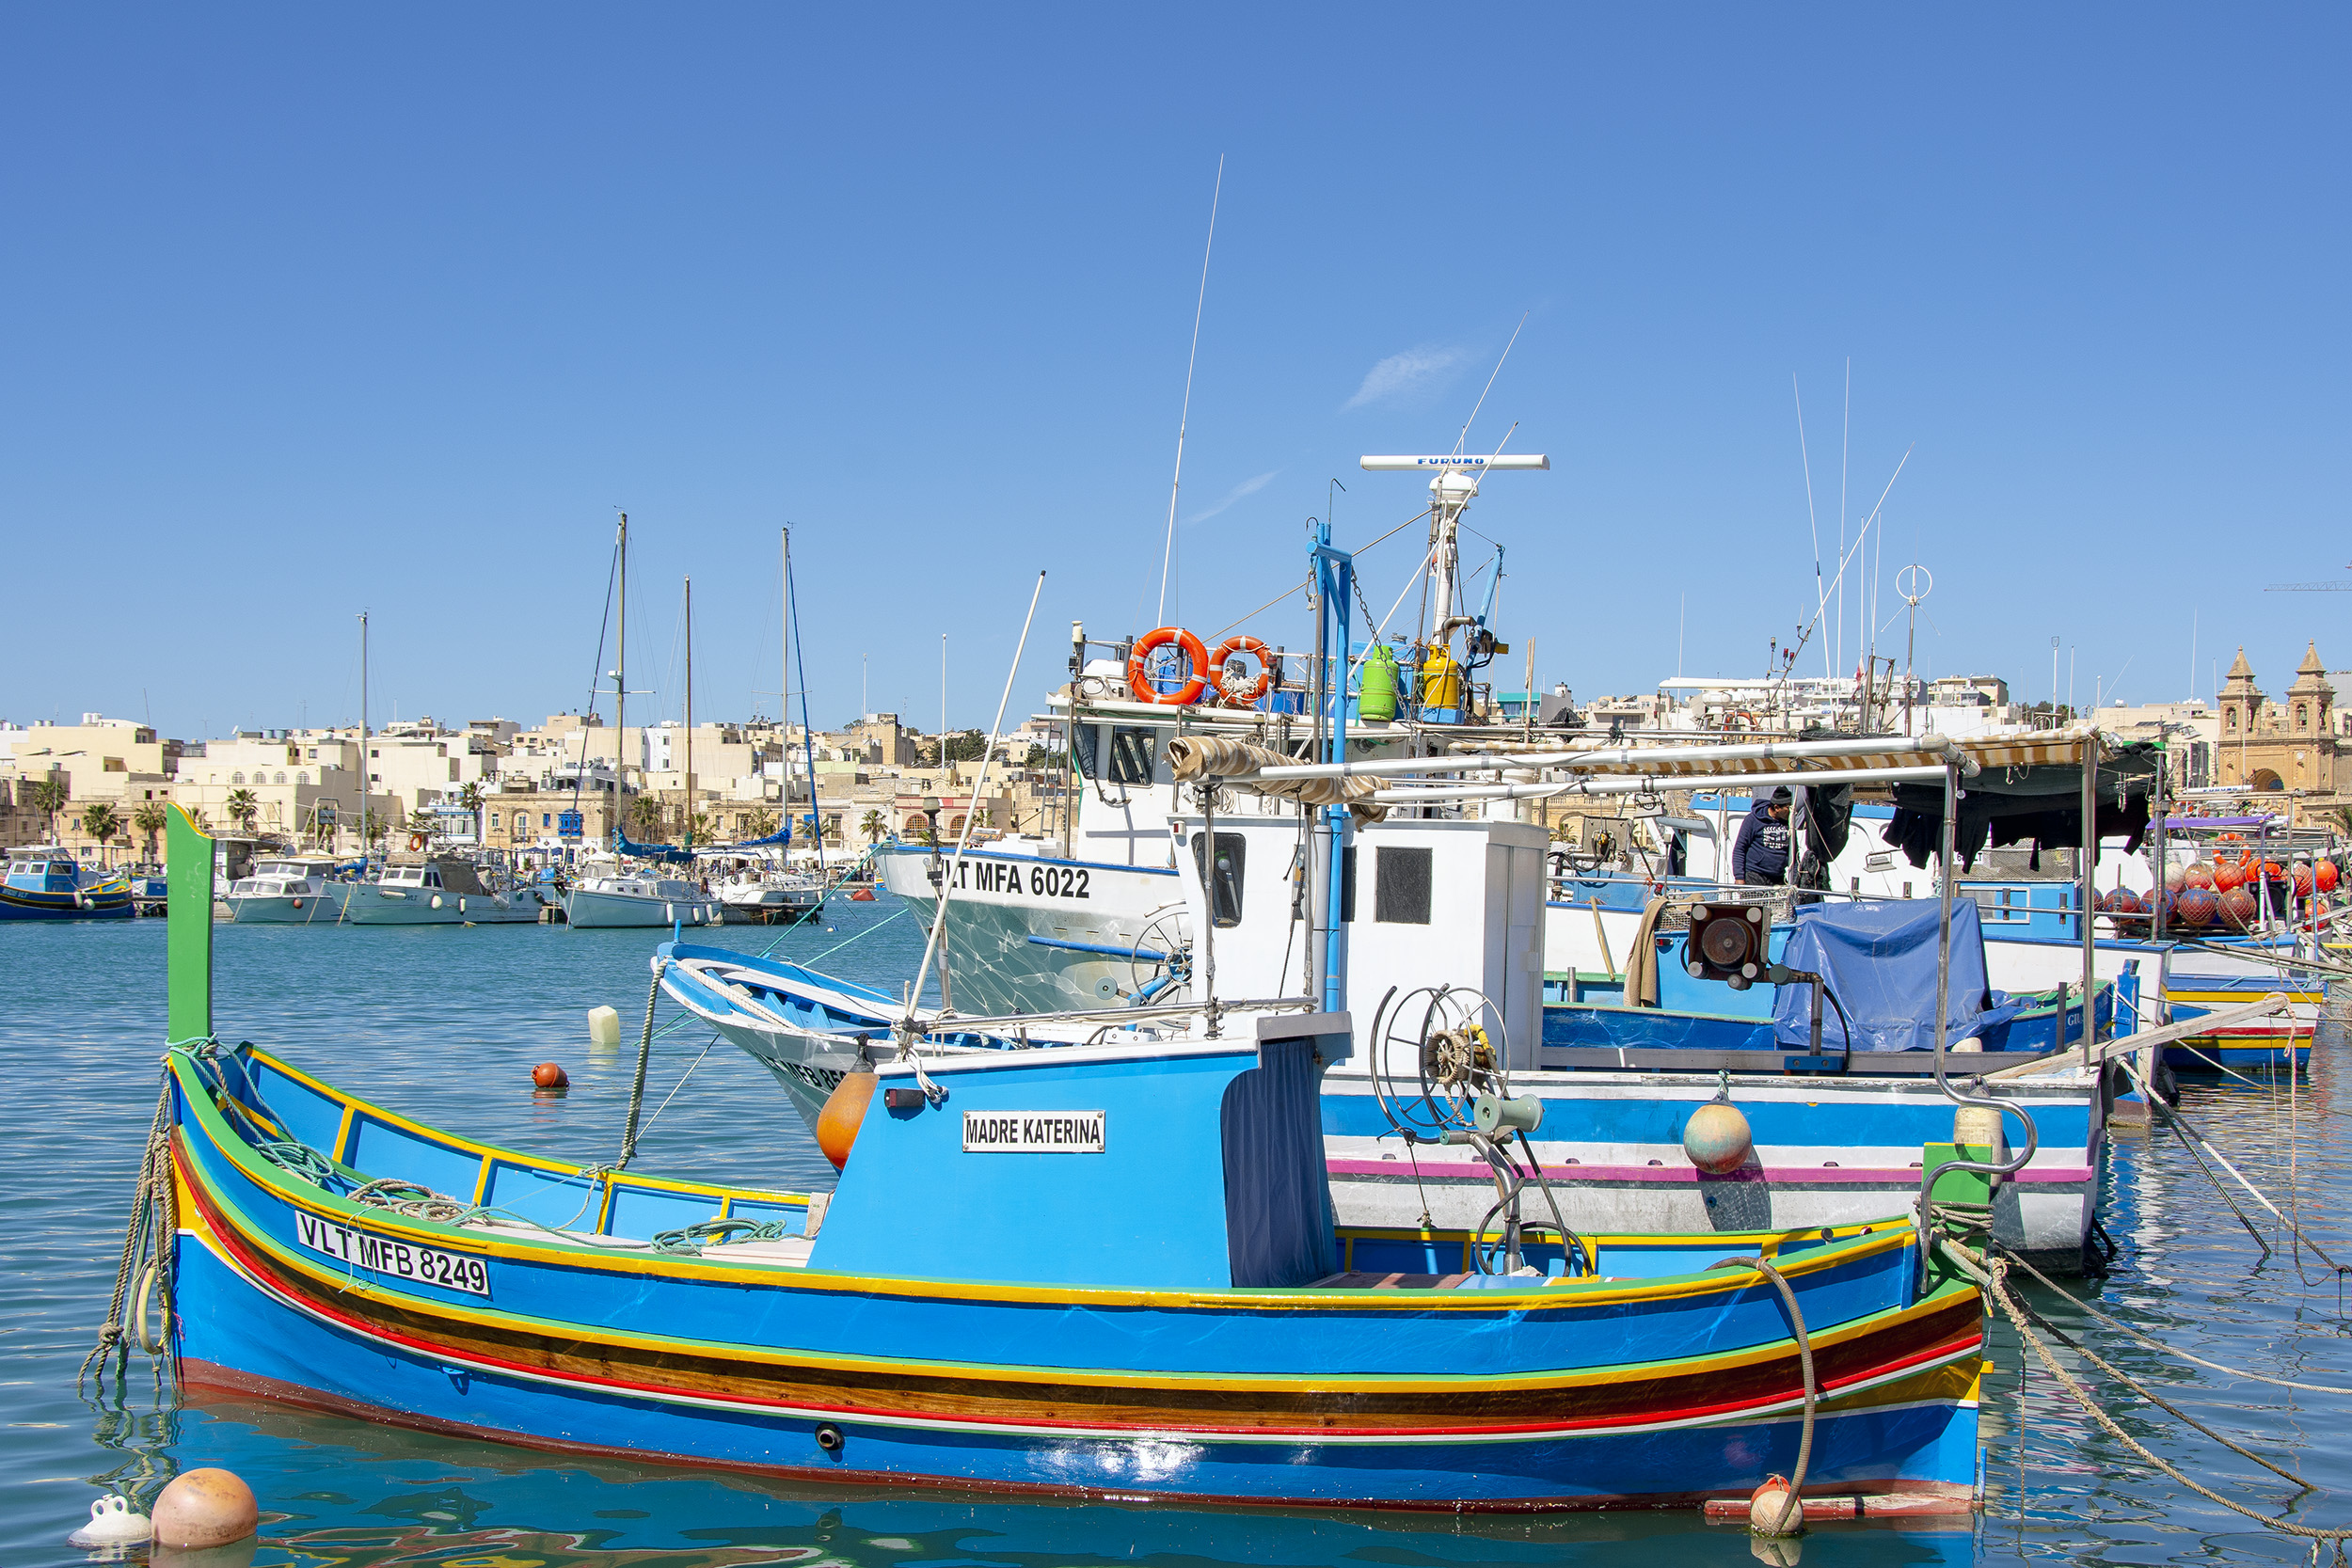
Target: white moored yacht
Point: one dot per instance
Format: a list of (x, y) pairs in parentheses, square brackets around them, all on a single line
[(288, 890), (640, 899), (442, 891)]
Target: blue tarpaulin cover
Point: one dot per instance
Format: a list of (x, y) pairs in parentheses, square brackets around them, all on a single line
[(1879, 960)]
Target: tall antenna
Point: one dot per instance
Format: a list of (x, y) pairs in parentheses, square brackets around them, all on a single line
[(1845, 464), (1812, 523), (1460, 441), (1167, 554)]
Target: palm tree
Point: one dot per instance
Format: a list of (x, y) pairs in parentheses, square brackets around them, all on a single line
[(697, 828), (101, 823), (759, 824), (151, 819), (196, 817), (244, 807), (873, 825), (49, 797), (647, 811), (470, 798)]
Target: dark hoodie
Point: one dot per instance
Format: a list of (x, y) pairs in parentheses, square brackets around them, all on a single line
[(1760, 853)]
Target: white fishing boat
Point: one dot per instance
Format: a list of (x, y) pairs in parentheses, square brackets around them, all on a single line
[(1090, 913), (771, 897), (446, 890), (288, 890)]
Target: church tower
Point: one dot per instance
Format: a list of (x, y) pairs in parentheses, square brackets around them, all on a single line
[(2311, 698), (2241, 703)]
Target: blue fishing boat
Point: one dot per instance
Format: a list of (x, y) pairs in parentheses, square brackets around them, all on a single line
[(1104, 1270), (49, 884)]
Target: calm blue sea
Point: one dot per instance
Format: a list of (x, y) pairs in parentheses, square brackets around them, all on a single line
[(445, 1024)]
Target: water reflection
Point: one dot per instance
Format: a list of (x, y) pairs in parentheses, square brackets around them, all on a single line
[(462, 1504)]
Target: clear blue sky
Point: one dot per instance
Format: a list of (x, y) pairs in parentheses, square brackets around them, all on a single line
[(316, 308)]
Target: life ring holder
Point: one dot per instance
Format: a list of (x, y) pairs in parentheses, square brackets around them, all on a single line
[(1138, 683), (1239, 693)]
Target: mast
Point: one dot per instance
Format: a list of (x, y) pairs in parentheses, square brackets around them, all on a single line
[(620, 696), (690, 713), (363, 735)]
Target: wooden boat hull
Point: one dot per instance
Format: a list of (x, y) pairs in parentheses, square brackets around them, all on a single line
[(1651, 1388)]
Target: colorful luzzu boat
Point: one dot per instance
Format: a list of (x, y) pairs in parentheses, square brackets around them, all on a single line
[(48, 885), (1096, 1270)]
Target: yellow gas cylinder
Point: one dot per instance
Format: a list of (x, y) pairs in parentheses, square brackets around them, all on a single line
[(1440, 680)]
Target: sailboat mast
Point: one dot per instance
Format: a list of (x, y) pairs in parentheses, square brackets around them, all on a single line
[(363, 734), (690, 713), (620, 696)]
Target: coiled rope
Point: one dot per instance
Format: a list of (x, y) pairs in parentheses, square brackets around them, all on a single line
[(694, 1237)]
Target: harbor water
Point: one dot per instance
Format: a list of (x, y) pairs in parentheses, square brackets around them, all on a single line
[(444, 1024)]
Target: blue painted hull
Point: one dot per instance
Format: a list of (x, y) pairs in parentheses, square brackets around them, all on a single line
[(1531, 1396), (109, 902)]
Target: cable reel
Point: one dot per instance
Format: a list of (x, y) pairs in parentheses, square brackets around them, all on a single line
[(1454, 1037)]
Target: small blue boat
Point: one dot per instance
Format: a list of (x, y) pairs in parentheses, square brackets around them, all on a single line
[(48, 885), (1098, 1271)]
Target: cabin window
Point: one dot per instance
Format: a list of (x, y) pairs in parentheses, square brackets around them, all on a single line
[(2003, 905), (1400, 884), (1130, 753), (1224, 884)]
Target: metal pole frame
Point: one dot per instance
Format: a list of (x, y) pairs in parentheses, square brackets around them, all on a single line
[(1946, 879), (1335, 579), (2090, 890)]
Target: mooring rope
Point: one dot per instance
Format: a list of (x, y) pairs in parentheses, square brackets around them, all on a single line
[(645, 1054), (147, 1253), (1990, 1275), (2153, 1343)]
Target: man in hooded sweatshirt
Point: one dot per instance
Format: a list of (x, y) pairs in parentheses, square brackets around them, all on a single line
[(1759, 856)]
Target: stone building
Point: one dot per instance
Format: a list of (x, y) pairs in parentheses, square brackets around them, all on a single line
[(2296, 744)]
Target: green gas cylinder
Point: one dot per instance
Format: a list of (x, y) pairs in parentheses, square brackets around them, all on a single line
[(1375, 692)]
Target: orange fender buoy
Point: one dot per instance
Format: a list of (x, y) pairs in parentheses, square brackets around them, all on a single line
[(843, 1114), (1139, 687), (550, 1076), (205, 1508), (1239, 693)]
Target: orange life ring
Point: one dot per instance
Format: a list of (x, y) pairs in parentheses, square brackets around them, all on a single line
[(416, 841), (1139, 687), (1240, 695)]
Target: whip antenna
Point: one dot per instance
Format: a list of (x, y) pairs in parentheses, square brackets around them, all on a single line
[(1167, 554)]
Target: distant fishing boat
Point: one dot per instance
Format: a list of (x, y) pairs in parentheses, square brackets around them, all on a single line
[(49, 884), (641, 899)]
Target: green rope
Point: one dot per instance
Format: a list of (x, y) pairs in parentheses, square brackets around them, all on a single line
[(694, 1237)]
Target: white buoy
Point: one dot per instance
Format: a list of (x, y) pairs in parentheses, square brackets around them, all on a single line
[(604, 1029), (112, 1524)]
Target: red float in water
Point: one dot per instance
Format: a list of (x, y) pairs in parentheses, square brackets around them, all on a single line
[(547, 1075)]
